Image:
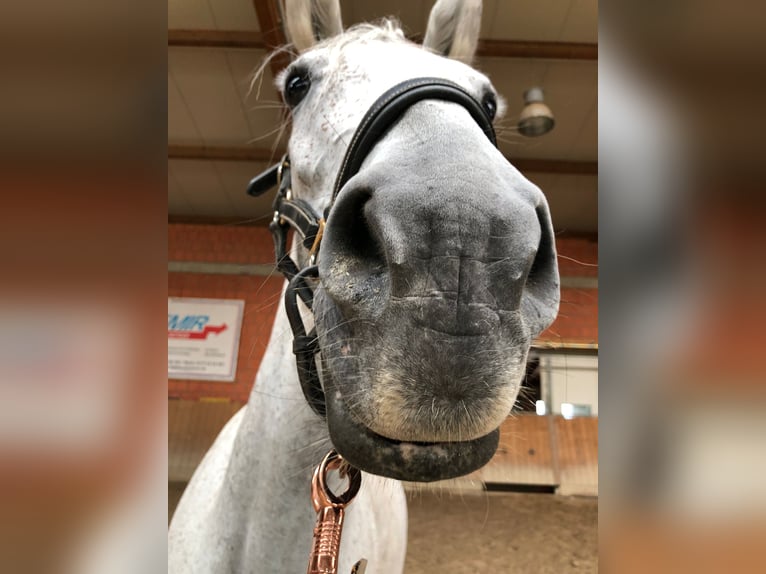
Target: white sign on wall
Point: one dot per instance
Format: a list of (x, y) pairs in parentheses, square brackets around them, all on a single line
[(203, 338)]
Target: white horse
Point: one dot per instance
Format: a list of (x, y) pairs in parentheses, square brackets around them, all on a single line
[(436, 270)]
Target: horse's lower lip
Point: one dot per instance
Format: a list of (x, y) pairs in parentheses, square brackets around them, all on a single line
[(402, 460)]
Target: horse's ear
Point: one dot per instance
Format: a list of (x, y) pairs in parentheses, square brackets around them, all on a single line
[(307, 21), (453, 28)]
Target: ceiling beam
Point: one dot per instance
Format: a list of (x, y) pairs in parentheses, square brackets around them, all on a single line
[(217, 39), (534, 165), (232, 153), (213, 220), (222, 153), (275, 37), (537, 50), (270, 21)]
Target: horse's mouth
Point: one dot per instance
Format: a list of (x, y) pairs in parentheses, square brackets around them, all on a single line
[(403, 460)]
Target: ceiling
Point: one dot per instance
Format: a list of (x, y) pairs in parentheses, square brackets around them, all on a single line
[(213, 113)]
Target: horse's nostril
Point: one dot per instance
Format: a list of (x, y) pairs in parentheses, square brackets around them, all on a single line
[(541, 290), (545, 258), (354, 236), (357, 273)]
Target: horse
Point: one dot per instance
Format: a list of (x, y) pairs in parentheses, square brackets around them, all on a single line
[(428, 277)]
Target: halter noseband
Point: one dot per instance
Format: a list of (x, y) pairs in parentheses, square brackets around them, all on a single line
[(298, 214)]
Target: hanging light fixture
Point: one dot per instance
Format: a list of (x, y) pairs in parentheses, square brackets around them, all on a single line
[(536, 118)]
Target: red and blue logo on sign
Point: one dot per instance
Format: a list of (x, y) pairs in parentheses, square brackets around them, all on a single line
[(192, 327)]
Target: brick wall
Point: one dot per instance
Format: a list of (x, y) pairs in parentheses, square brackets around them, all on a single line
[(577, 321), (227, 244), (578, 256), (219, 243)]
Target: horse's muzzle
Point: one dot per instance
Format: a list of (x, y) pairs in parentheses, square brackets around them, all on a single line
[(437, 271)]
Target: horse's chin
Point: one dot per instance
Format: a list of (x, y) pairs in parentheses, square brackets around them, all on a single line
[(403, 460)]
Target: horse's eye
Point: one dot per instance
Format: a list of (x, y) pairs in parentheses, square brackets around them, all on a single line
[(297, 86), (490, 104)]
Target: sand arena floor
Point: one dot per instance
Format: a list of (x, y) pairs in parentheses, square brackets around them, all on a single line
[(477, 532)]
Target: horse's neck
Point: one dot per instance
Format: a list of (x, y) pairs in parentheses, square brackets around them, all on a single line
[(277, 409), (249, 509), (278, 444)]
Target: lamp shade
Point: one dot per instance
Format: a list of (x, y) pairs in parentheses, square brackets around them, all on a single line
[(536, 118)]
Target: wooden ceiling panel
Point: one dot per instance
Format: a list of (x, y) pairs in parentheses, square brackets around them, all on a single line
[(571, 91), (201, 187), (409, 12), (262, 104), (511, 77), (212, 15), (573, 201), (544, 181), (582, 22), (179, 207), (529, 20), (234, 177), (177, 203), (234, 14), (586, 144), (190, 14), (489, 7), (181, 128), (209, 89)]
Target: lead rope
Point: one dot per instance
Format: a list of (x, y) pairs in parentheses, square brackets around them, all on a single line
[(330, 509)]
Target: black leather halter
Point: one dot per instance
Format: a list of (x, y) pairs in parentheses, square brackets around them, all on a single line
[(291, 212)]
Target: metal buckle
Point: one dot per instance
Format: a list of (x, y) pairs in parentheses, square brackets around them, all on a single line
[(317, 240), (283, 164)]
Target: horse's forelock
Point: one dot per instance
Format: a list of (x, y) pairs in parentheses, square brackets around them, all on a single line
[(386, 30)]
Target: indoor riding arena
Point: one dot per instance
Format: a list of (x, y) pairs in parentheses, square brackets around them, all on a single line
[(533, 507)]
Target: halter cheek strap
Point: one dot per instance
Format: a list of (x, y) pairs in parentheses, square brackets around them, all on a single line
[(290, 212), (298, 214)]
